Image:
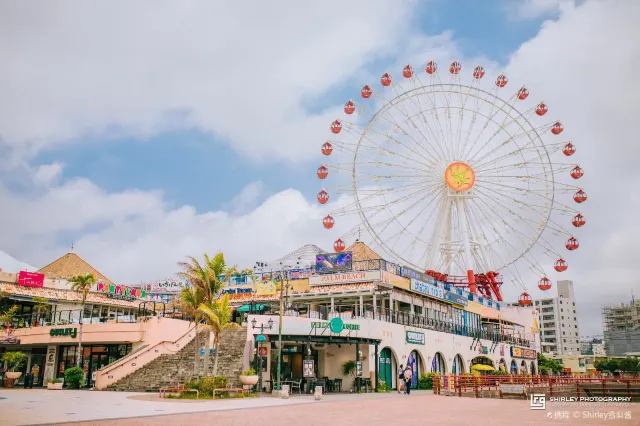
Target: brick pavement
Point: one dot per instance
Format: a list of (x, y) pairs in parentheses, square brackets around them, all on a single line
[(419, 409)]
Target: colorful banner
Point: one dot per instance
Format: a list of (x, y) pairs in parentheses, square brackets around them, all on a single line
[(334, 262), (348, 277), (237, 293), (170, 285), (30, 279), (522, 353), (121, 291)]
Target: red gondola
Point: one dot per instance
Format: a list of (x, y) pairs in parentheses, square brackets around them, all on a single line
[(366, 92), (523, 93), (431, 68), (577, 172), (407, 72), (322, 172), (557, 128), (580, 196), (525, 299), (385, 80), (455, 67), (569, 149), (349, 107), (578, 221), (478, 72), (327, 148), (544, 284), (323, 197), (572, 244), (339, 246), (336, 127), (560, 265), (502, 80), (541, 109), (328, 222)]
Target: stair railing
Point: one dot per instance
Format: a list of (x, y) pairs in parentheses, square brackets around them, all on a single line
[(108, 370)]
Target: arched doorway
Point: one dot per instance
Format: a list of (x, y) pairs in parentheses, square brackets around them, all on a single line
[(514, 367), (438, 364), (415, 363), (387, 366), (533, 368), (523, 368), (482, 364), (458, 365), (502, 365)]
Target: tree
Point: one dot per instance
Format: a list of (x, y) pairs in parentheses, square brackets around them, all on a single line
[(630, 365), (190, 300), (209, 276), (41, 305), (548, 364), (81, 284), (217, 315)]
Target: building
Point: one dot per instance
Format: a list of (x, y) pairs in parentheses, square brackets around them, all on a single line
[(559, 332), (621, 325), (592, 346), (46, 325), (349, 306)]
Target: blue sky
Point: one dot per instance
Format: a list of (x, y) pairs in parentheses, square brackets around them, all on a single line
[(193, 167)]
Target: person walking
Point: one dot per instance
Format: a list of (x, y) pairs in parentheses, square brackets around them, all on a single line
[(408, 375), (400, 378)]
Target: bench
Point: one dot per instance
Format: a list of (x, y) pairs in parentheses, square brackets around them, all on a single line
[(177, 389), (229, 389), (513, 389)]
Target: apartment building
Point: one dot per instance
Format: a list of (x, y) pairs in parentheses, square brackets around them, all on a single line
[(559, 332)]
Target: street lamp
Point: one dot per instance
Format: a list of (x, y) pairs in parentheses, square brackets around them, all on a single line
[(259, 339)]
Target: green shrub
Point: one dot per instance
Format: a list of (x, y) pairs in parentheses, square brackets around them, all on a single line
[(73, 377), (249, 372), (383, 387), (206, 385), (15, 360), (425, 381)]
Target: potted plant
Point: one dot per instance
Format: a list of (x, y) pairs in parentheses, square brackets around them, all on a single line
[(14, 361), (55, 384), (249, 377)]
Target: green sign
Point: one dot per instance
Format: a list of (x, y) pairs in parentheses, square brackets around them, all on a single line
[(336, 325), (415, 338), (485, 350), (73, 332)]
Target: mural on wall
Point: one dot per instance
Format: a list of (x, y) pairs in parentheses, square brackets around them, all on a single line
[(412, 363)]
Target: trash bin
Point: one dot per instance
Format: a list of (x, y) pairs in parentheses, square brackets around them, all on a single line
[(28, 380)]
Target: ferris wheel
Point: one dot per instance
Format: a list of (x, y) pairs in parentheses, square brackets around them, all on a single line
[(456, 176)]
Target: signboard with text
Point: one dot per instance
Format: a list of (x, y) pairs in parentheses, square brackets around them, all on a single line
[(417, 275), (345, 278), (30, 279), (235, 293), (415, 338), (522, 353), (124, 292), (167, 286), (428, 289), (456, 298)]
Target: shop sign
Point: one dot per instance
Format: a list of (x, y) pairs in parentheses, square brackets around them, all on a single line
[(72, 332), (266, 288), (522, 353), (307, 368), (345, 278), (358, 368), (30, 279), (167, 286), (456, 298), (336, 325), (415, 338), (484, 350), (236, 293), (121, 291), (416, 275), (428, 289)]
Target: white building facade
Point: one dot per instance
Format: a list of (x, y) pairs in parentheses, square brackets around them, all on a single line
[(559, 332)]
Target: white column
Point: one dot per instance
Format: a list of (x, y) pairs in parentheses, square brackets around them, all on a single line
[(361, 307), (332, 304)]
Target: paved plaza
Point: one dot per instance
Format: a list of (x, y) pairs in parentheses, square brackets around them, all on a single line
[(30, 407)]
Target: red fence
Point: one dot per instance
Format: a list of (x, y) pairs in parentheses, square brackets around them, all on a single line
[(563, 386)]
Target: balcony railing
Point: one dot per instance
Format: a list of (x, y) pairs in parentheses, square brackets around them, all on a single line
[(67, 317), (348, 312)]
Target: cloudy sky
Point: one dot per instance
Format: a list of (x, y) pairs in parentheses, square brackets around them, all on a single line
[(147, 133)]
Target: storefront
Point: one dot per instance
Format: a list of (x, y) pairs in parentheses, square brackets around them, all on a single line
[(94, 357)]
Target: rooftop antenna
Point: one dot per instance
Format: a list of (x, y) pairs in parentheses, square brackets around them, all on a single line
[(72, 246)]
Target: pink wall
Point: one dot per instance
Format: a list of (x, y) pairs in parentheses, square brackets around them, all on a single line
[(91, 333)]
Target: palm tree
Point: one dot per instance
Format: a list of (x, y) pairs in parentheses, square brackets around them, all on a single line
[(82, 284), (190, 300), (209, 277), (217, 315)]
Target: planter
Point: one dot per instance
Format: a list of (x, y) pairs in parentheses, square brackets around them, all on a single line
[(54, 386), (9, 383), (249, 380), (13, 374)]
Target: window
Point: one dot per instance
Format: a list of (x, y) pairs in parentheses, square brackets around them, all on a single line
[(565, 348), (564, 340), (574, 311), (574, 303), (575, 319), (561, 302), (576, 326), (563, 332), (562, 317), (561, 310)]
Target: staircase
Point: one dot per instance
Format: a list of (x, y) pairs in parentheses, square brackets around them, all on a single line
[(169, 369)]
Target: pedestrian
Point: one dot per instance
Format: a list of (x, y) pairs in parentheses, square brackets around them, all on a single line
[(400, 378), (408, 375)]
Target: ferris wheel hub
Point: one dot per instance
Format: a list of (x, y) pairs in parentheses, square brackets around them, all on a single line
[(459, 176)]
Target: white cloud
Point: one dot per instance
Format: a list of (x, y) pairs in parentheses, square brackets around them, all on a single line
[(247, 200), (235, 71), (531, 9), (47, 174)]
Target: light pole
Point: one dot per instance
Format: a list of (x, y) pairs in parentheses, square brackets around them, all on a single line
[(259, 339)]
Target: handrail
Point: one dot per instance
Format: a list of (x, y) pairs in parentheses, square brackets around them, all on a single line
[(126, 357), (107, 368)]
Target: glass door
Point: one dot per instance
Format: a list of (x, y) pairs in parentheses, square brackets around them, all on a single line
[(98, 360)]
